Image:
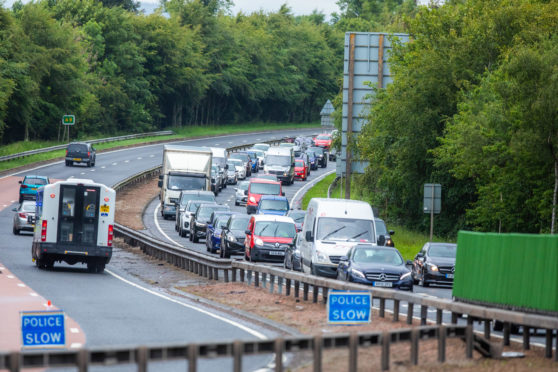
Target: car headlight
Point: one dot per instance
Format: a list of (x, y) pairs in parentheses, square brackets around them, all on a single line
[(321, 257), (432, 267), (357, 273), (252, 199), (259, 242), (284, 174), (406, 275), (232, 239)]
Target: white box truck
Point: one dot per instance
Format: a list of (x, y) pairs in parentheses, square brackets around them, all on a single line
[(74, 222), (331, 227), (280, 161), (184, 168)]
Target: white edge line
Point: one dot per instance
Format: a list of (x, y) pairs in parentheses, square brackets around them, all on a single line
[(155, 212), (312, 183), (233, 323)]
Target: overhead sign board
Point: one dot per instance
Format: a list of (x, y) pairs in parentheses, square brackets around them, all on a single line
[(43, 329), (68, 119), (349, 307)]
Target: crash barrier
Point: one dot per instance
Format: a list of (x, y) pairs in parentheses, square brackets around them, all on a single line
[(332, 186), (142, 355), (289, 281), (525, 277), (101, 140)]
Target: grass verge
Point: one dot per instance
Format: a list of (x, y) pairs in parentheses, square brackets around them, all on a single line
[(184, 132), (408, 242)]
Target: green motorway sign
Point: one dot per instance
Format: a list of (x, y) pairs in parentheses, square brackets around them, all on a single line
[(68, 119)]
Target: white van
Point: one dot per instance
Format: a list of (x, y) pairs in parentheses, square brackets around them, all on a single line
[(331, 227), (280, 161), (74, 222)]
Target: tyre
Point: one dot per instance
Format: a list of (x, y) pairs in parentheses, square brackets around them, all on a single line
[(195, 238), (89, 164), (190, 236), (313, 270), (68, 163), (236, 203), (15, 231), (423, 282), (182, 233), (20, 198)]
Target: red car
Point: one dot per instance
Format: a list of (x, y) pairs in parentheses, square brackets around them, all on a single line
[(259, 187), (323, 140), (268, 237), (301, 169)]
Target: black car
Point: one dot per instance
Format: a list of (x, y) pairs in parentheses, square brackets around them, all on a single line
[(435, 264), (298, 216), (376, 266), (233, 235), (321, 156), (293, 259), (200, 219), (185, 197), (80, 152), (381, 230), (213, 242)]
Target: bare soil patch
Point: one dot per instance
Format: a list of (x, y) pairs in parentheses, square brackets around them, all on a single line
[(131, 202)]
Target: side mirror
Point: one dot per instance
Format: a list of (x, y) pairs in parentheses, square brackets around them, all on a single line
[(282, 193), (248, 232), (209, 224), (245, 192), (391, 232), (160, 183), (420, 254), (160, 176), (20, 182), (226, 166), (381, 240), (308, 236)]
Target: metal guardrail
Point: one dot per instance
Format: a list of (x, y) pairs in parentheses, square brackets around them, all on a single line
[(101, 140), (141, 356)]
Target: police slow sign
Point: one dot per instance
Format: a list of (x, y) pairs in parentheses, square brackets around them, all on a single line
[(43, 329), (348, 307)]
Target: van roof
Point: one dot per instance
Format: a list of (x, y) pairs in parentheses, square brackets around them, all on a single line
[(340, 207), (187, 148)]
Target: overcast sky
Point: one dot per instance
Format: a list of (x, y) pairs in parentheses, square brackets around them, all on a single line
[(298, 6)]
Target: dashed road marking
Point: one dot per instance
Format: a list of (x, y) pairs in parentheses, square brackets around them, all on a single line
[(74, 330), (139, 158), (92, 170), (20, 285), (82, 173), (75, 345), (126, 161), (10, 276), (114, 163), (152, 156), (33, 294), (103, 167)]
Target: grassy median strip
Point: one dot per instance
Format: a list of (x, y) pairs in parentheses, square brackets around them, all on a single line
[(319, 190), (180, 133)]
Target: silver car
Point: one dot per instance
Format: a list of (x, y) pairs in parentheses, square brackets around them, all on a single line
[(238, 166), (25, 209), (241, 196)]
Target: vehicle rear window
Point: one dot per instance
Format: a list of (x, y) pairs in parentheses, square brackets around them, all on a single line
[(77, 148), (278, 205), (205, 212), (265, 188), (28, 207), (239, 223), (299, 163), (323, 137), (35, 181)]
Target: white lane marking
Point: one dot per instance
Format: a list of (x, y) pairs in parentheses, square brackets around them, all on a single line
[(312, 183), (2, 268), (217, 144), (230, 142), (151, 156), (75, 345), (4, 205), (160, 295), (13, 201), (92, 170), (103, 167), (10, 276), (139, 158), (21, 285), (33, 294), (155, 212), (114, 163), (126, 161), (74, 330), (82, 173)]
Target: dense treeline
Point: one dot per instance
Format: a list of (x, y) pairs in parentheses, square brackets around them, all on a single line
[(191, 63), (473, 106)]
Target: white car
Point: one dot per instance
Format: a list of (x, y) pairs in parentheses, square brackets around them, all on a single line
[(241, 196), (25, 209), (261, 156), (238, 165)]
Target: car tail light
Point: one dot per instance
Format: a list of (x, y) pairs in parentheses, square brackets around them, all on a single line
[(22, 215), (23, 186), (110, 235), (88, 153), (66, 152), (43, 230)]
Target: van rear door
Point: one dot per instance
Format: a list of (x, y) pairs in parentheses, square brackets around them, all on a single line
[(78, 215)]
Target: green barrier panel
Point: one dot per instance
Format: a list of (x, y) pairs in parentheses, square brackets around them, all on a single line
[(517, 271)]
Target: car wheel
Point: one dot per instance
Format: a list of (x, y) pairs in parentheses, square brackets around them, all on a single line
[(20, 198), (15, 231), (423, 281), (89, 164), (190, 236), (236, 203), (195, 239), (313, 270)]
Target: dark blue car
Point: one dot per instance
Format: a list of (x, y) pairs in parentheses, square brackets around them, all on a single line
[(213, 237), (273, 204), (29, 185), (376, 266)]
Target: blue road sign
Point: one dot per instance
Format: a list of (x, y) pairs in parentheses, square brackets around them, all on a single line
[(349, 307), (43, 329)]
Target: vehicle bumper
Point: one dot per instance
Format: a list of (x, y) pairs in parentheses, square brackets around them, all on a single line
[(235, 247), (169, 210), (24, 225), (438, 278), (201, 231), (72, 253), (251, 208), (263, 254), (231, 180), (215, 243), (405, 284), (283, 178), (299, 175), (329, 271)]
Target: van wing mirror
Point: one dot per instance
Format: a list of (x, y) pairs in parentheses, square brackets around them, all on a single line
[(308, 236), (160, 183), (381, 240), (160, 176), (282, 193), (391, 232)]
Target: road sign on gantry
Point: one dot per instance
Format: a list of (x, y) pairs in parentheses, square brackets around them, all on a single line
[(43, 329), (68, 119), (348, 307)]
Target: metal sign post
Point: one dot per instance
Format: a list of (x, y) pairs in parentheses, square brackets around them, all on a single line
[(349, 307), (68, 120), (432, 202)]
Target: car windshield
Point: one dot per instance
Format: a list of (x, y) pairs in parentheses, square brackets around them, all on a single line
[(203, 197), (318, 151), (240, 223), (381, 227), (284, 160), (221, 221), (275, 229), (77, 148), (323, 137), (234, 162), (205, 212), (380, 256), (299, 163), (219, 161), (243, 185), (344, 229), (28, 207), (440, 250), (35, 181), (297, 216), (193, 206), (185, 183), (265, 188), (278, 205)]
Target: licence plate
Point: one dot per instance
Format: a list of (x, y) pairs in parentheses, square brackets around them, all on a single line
[(449, 276), (33, 188), (276, 253), (383, 284), (77, 159)]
